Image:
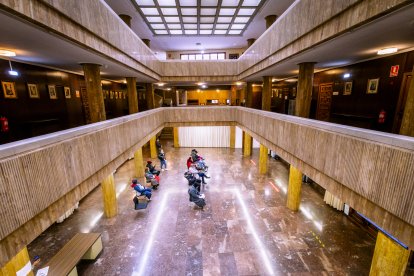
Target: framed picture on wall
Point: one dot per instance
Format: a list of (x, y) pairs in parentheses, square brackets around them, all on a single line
[(33, 92), (9, 90), (77, 94), (67, 92), (111, 95), (116, 95), (348, 88), (52, 92), (372, 87)]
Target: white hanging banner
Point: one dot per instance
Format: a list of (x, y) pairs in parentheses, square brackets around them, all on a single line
[(207, 137)]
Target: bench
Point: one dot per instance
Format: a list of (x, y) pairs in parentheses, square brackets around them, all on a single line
[(85, 246)]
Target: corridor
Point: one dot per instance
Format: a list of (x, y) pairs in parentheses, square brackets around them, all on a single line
[(245, 229)]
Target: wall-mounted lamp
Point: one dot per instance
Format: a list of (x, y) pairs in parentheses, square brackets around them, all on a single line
[(12, 72), (387, 51), (347, 75)]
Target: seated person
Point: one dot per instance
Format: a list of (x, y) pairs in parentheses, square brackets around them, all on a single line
[(153, 179), (196, 197), (194, 155), (141, 190), (152, 168)]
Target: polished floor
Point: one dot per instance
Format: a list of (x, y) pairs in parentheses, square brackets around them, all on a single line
[(245, 228)]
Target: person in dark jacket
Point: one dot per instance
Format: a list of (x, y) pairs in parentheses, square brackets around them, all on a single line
[(151, 168), (158, 145), (196, 197), (163, 161)]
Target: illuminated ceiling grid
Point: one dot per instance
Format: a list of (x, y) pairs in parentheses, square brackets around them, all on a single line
[(198, 17)]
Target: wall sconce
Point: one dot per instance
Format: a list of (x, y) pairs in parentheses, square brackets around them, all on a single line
[(12, 72)]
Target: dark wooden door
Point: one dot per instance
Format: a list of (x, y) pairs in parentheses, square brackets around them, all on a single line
[(323, 110), (399, 111)]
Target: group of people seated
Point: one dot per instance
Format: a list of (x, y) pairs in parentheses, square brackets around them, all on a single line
[(152, 176), (196, 175)]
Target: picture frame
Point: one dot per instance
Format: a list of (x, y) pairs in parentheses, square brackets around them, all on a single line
[(9, 90), (116, 95), (111, 95), (67, 92), (77, 94), (52, 91), (348, 88), (33, 92), (372, 87)]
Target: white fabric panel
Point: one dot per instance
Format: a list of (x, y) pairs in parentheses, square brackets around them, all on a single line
[(256, 144), (208, 137), (239, 138)]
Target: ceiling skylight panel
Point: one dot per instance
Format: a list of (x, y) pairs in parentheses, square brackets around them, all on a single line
[(222, 26), (222, 19), (238, 26), (176, 32), (145, 2), (160, 32), (207, 19), (251, 3), (246, 11), (220, 32), (166, 2), (157, 26), (174, 26), (206, 26), (241, 19), (188, 3), (205, 32), (227, 11), (149, 11), (153, 19), (190, 26), (209, 3), (172, 19), (190, 19), (230, 3), (190, 32), (169, 11), (189, 11), (208, 12), (235, 32)]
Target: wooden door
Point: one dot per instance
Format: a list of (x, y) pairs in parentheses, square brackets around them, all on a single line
[(399, 111), (323, 110)]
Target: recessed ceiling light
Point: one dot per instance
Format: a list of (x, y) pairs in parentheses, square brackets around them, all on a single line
[(201, 83), (7, 53), (160, 84), (239, 83), (387, 51), (347, 75)]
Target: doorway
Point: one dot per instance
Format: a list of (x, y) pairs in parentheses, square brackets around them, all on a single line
[(323, 110), (399, 111)]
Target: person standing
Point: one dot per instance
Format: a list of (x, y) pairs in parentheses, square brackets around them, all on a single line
[(163, 161)]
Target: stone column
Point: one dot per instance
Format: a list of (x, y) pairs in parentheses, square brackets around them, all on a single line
[(249, 94), (250, 42), (17, 263), (147, 42), (294, 189), (247, 150), (232, 137), (176, 138), (270, 19), (263, 159), (126, 18), (139, 163), (132, 95), (149, 96), (305, 86), (153, 147), (94, 92), (389, 258), (407, 123), (267, 93), (109, 196)]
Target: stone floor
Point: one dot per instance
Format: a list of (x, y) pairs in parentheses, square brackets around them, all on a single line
[(245, 228)]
